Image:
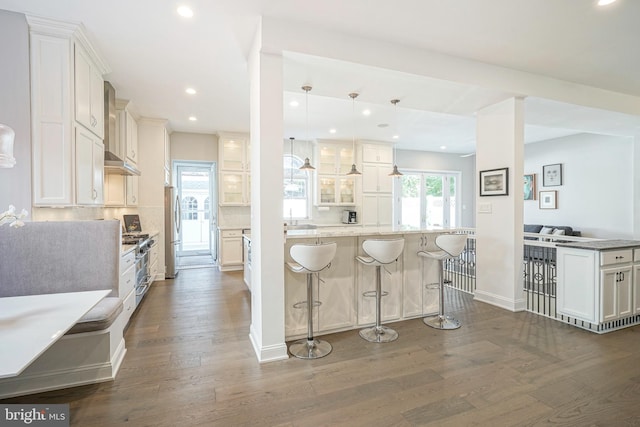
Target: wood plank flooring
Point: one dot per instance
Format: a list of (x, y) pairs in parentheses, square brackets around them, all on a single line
[(190, 363)]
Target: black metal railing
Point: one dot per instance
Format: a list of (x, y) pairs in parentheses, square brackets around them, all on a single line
[(460, 272), (539, 281)]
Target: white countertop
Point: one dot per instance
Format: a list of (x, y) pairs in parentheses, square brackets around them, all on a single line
[(352, 231), (31, 324)]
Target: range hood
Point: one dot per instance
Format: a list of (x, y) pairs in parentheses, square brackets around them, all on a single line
[(113, 163)]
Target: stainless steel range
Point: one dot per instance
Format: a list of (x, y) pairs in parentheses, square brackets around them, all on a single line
[(143, 269)]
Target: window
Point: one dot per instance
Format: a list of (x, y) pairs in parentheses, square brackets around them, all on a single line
[(189, 208), (427, 199), (296, 189), (207, 209)]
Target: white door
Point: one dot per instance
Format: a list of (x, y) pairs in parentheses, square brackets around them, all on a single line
[(426, 199)]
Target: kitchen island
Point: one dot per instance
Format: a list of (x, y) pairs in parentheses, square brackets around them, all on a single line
[(412, 281), (599, 284)]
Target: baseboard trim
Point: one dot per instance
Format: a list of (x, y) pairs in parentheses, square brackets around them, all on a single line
[(271, 353), (500, 301)]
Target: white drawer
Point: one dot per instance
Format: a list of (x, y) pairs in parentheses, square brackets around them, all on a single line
[(231, 233), (127, 261), (616, 257), (129, 304), (127, 282)]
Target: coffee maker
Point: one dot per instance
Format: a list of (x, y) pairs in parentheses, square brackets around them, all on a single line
[(349, 217)]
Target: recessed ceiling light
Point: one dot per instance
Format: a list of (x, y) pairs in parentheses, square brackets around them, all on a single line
[(193, 118), (190, 91), (396, 136), (443, 147), (294, 103), (605, 2), (366, 113), (332, 131), (383, 125), (185, 11)]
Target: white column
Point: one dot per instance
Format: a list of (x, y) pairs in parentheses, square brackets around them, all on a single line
[(267, 233), (499, 219)]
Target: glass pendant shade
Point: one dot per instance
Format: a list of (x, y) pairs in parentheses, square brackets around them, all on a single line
[(307, 164)]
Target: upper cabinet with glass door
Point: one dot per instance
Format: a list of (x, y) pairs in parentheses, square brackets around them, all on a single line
[(234, 154), (333, 187)]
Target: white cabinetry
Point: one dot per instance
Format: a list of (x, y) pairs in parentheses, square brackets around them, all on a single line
[(89, 168), (596, 286), (65, 74), (154, 266), (230, 250), (128, 134), (377, 199), (127, 282), (246, 258), (333, 188), (123, 190), (234, 155), (89, 91), (336, 291), (420, 279), (391, 283)]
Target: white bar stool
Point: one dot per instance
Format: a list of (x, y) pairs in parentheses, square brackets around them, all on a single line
[(310, 259), (380, 253), (451, 246)]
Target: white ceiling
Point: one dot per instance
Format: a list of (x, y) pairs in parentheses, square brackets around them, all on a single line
[(154, 55)]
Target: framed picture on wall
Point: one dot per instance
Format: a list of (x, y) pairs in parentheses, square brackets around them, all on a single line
[(552, 175), (530, 187), (494, 182), (548, 199)]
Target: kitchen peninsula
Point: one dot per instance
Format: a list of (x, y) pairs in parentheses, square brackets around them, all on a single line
[(411, 282)]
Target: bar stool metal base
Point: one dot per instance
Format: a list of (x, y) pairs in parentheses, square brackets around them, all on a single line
[(441, 322), (314, 349), (378, 334)]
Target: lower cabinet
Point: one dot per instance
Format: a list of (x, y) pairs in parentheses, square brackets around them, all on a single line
[(597, 286), (126, 288), (420, 282), (230, 257), (153, 260)]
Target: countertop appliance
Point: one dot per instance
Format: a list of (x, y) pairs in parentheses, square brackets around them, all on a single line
[(172, 215), (349, 217)]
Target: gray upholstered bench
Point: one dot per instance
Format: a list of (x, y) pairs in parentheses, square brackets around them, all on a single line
[(59, 257)]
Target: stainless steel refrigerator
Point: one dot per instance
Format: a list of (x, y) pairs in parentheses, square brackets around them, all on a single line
[(171, 230)]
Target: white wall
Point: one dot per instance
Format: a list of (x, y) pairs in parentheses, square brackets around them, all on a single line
[(15, 111), (431, 161), (194, 146), (596, 195)]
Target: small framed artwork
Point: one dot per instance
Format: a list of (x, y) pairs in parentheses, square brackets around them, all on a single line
[(494, 182), (552, 175), (530, 187), (548, 199)]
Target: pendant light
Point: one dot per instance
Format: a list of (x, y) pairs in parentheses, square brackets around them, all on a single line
[(354, 170), (395, 172), (307, 165)]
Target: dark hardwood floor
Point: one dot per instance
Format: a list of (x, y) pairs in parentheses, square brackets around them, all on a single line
[(190, 363)]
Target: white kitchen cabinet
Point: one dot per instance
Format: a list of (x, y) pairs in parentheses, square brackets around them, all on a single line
[(230, 257), (376, 209), (420, 279), (234, 158), (595, 286), (377, 153), (114, 190), (333, 188), (89, 93), (376, 179), (53, 47), (126, 286), (234, 189), (336, 291), (154, 265), (89, 168), (132, 190), (246, 261), (128, 134)]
